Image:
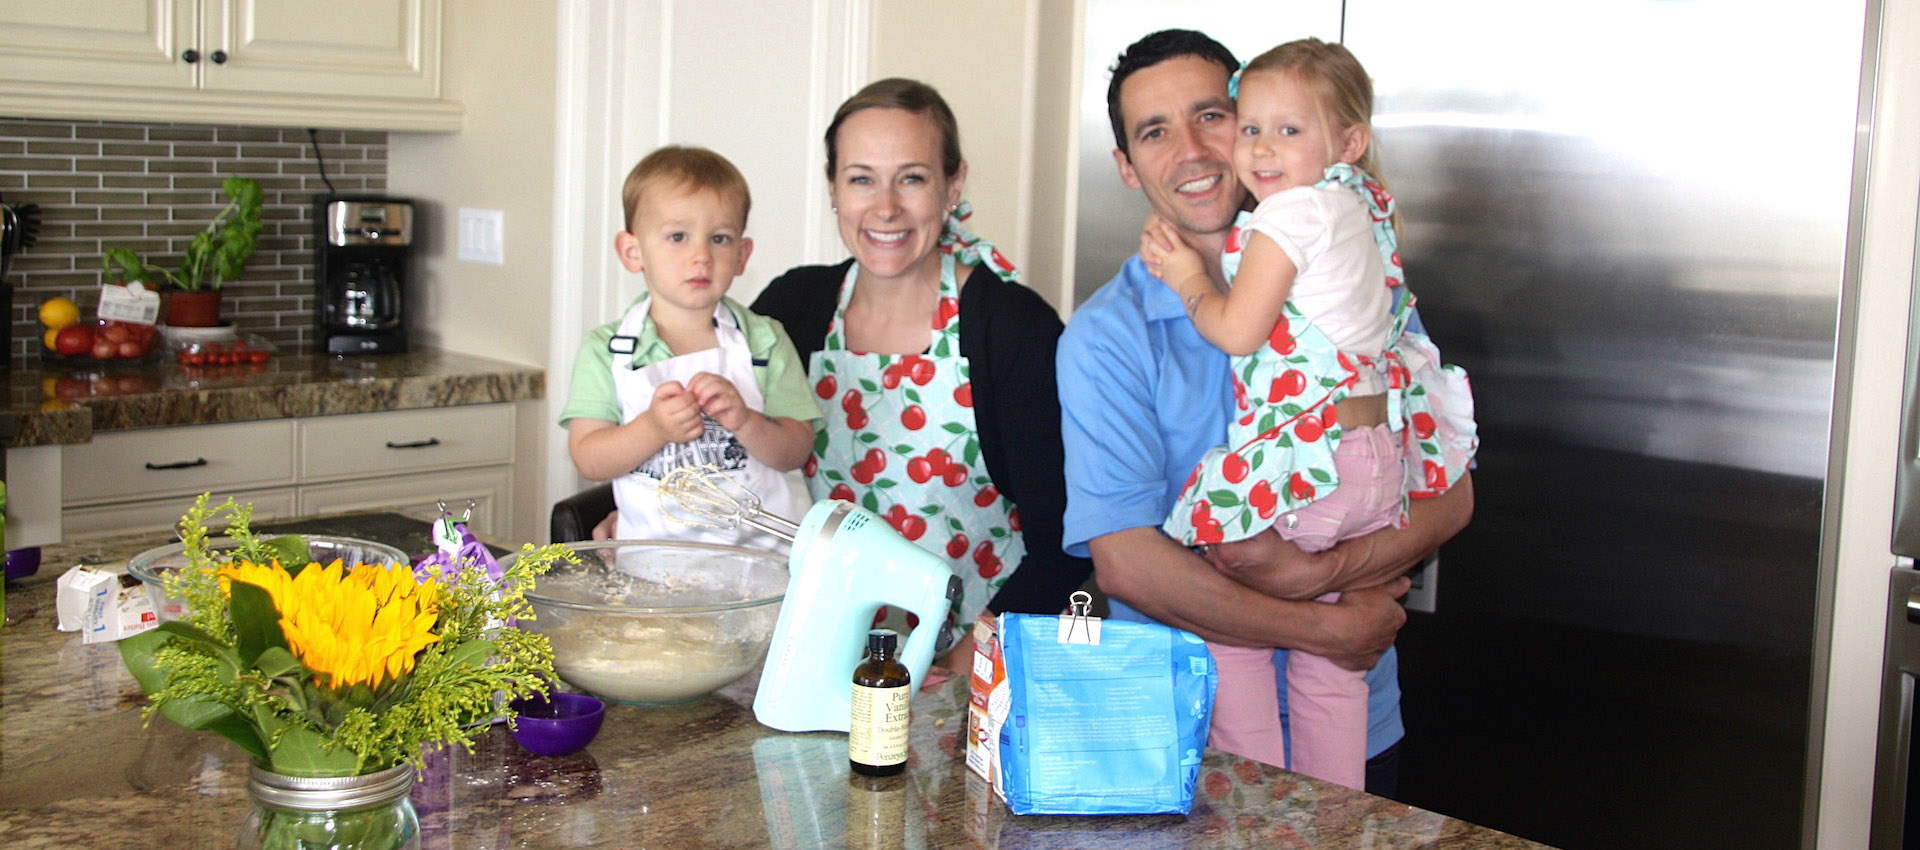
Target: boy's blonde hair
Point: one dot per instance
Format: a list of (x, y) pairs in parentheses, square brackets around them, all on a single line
[(1340, 84), (684, 168)]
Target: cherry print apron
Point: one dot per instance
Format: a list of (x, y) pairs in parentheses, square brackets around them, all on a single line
[(1280, 446), (640, 516), (900, 441)]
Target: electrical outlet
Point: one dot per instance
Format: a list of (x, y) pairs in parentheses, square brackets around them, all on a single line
[(1426, 585), (481, 232)]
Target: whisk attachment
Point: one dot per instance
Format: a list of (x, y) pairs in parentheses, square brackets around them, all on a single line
[(705, 495)]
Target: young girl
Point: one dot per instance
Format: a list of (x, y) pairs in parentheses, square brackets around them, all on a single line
[(1315, 311)]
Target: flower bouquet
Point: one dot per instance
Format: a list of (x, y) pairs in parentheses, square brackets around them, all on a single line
[(337, 677)]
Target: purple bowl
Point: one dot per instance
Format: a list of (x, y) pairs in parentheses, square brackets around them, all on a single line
[(564, 723), (22, 562)]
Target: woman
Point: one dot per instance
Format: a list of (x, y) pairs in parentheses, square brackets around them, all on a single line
[(934, 366)]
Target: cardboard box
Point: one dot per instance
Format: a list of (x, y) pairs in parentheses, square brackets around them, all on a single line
[(102, 606), (988, 702)]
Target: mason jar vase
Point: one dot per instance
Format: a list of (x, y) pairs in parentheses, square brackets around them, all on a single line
[(367, 812)]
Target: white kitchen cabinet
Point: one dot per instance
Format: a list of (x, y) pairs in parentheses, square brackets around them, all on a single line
[(366, 64), (401, 459)]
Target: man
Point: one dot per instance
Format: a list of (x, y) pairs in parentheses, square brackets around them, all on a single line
[(1143, 396)]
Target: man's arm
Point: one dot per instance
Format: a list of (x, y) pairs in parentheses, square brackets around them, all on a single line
[(1163, 580), (1271, 565)]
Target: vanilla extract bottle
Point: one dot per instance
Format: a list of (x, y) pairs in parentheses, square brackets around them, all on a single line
[(877, 735)]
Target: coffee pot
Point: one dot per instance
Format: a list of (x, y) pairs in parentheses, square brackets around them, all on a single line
[(362, 243)]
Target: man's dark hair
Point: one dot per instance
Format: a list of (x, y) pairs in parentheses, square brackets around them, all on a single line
[(1151, 51)]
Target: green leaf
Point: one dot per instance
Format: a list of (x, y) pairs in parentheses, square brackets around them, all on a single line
[(1223, 498), (137, 653), (954, 524), (972, 453), (868, 437), (820, 440), (954, 428), (291, 551), (868, 385), (256, 623), (884, 483), (301, 751), (870, 502), (902, 449), (1321, 475), (930, 510), (472, 653), (276, 661), (913, 395), (999, 532)]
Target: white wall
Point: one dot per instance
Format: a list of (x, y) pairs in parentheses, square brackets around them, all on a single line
[(497, 60)]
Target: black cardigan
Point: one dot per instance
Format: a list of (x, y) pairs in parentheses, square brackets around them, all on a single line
[(1007, 334)]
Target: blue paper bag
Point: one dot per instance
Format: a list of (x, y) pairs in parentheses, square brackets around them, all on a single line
[(1110, 728)]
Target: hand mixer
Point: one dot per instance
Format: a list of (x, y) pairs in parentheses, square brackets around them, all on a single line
[(845, 563)]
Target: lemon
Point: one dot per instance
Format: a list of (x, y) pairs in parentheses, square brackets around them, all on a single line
[(49, 335), (58, 312)]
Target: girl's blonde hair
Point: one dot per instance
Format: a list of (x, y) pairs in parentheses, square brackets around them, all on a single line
[(1341, 87)]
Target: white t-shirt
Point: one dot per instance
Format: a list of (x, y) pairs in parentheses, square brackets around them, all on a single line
[(1341, 285)]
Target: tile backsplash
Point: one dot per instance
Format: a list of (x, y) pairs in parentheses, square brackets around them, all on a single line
[(150, 188)]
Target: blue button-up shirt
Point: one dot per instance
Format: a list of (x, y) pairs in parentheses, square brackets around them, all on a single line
[(1143, 395)]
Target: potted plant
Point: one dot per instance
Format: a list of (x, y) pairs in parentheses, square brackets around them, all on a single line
[(217, 254)]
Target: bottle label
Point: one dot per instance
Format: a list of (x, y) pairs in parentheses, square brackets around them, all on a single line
[(878, 732)]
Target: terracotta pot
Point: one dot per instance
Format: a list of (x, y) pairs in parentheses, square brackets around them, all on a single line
[(197, 309)]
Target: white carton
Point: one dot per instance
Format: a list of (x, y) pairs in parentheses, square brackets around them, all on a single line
[(102, 606)]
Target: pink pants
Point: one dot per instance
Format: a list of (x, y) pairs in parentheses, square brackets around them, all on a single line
[(1327, 705)]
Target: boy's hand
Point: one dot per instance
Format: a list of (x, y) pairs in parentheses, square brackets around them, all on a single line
[(675, 413), (720, 399)]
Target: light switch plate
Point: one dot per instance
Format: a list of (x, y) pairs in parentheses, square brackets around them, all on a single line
[(481, 232), (1426, 585)]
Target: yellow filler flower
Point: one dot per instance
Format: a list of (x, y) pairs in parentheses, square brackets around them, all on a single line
[(349, 627)]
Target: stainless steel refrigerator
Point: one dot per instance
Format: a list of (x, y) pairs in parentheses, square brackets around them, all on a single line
[(1628, 221)]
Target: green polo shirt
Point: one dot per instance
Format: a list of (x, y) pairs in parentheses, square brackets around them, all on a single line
[(776, 366)]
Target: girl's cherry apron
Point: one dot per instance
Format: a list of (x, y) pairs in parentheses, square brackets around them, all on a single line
[(640, 516)]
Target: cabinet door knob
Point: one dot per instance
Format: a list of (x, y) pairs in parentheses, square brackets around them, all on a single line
[(219, 57), (185, 464), (416, 444), (190, 56)]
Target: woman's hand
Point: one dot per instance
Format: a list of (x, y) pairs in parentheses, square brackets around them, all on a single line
[(957, 662)]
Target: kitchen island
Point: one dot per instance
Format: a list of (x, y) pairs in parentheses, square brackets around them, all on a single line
[(78, 770)]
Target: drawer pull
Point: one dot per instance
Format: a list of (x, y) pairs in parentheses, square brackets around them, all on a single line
[(185, 464), (416, 444)]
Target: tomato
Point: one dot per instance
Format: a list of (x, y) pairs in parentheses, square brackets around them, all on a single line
[(115, 332), (256, 356), (131, 349), (73, 341), (104, 350)]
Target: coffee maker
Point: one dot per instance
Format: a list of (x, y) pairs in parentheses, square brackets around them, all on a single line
[(361, 246)]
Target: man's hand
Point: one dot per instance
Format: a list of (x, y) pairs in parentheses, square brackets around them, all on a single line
[(675, 413), (719, 399), (1362, 625), (1270, 564)]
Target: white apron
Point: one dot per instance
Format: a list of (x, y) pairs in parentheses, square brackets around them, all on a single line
[(640, 513)]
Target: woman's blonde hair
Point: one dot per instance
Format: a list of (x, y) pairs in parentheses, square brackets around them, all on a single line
[(1340, 85)]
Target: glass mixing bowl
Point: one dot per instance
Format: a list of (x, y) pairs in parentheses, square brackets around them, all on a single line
[(653, 622), (151, 565)]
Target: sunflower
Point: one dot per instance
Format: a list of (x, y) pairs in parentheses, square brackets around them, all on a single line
[(348, 627)]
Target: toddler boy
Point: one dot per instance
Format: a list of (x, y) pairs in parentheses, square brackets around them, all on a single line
[(687, 376)]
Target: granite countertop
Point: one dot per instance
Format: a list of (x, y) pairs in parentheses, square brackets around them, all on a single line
[(78, 770), (54, 405)]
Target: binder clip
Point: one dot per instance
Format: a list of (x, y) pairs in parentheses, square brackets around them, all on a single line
[(1077, 626)]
